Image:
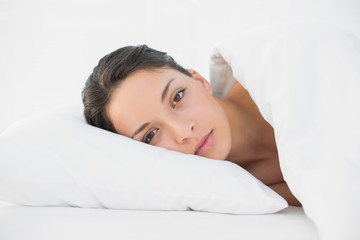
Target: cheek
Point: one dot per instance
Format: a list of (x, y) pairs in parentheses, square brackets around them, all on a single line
[(212, 115), (167, 142), (201, 105), (208, 112)]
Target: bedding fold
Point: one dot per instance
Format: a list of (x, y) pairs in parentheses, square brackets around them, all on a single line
[(305, 80)]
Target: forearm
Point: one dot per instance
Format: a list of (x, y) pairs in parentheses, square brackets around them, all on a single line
[(283, 190)]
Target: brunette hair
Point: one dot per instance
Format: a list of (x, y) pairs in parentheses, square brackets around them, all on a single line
[(111, 71)]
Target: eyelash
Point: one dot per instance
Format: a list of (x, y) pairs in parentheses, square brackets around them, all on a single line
[(180, 93), (150, 135), (147, 139)]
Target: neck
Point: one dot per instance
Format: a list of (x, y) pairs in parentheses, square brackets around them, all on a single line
[(252, 137)]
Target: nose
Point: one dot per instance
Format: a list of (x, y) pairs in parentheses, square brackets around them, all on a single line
[(182, 130)]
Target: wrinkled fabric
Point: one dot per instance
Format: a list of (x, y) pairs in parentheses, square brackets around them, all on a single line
[(305, 80)]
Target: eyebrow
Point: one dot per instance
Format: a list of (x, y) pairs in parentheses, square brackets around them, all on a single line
[(140, 129), (166, 89), (163, 95)]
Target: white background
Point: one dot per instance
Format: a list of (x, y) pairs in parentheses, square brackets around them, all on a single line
[(49, 47)]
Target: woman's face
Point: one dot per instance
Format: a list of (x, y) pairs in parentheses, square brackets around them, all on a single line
[(166, 108)]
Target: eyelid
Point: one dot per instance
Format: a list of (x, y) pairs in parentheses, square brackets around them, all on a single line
[(147, 133), (172, 99)]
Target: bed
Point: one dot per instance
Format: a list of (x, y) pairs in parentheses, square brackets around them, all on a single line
[(40, 223), (80, 182)]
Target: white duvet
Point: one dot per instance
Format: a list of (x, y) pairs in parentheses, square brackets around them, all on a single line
[(305, 79)]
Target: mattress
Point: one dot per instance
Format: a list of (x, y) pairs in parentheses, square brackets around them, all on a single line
[(40, 223)]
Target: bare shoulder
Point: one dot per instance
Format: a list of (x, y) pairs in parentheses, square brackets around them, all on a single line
[(241, 97), (236, 90)]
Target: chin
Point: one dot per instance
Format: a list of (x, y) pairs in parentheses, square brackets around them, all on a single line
[(217, 156)]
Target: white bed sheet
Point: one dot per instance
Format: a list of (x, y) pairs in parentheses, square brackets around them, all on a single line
[(40, 223)]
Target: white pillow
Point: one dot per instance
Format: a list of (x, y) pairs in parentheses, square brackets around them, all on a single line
[(56, 159)]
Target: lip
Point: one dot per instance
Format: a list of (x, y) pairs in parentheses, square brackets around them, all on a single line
[(205, 144)]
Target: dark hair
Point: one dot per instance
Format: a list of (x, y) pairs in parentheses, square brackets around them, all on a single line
[(111, 71)]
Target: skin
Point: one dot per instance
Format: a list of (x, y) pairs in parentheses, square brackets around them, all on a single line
[(179, 117)]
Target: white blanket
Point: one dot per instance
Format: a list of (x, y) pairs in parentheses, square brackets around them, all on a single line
[(305, 79)]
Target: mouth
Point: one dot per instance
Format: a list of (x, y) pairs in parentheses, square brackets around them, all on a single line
[(205, 144)]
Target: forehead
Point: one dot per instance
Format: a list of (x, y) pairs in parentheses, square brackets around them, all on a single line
[(138, 97), (139, 84)]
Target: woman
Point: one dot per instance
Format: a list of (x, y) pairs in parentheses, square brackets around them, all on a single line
[(144, 94)]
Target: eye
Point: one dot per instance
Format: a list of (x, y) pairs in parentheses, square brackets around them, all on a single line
[(149, 136), (179, 95)]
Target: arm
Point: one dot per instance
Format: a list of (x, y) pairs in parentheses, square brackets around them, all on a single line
[(283, 190)]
